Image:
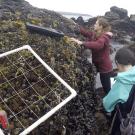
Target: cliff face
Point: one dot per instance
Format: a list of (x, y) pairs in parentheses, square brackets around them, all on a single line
[(78, 116)]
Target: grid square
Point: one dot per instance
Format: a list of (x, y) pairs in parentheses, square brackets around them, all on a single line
[(4, 62), (29, 96), (13, 58), (2, 79), (34, 63), (26, 117), (52, 99), (41, 71), (40, 107), (19, 83), (32, 76), (6, 91), (42, 88), (16, 104), (9, 72), (62, 92), (51, 81)]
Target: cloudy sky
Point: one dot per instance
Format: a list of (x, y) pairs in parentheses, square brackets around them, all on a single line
[(92, 7)]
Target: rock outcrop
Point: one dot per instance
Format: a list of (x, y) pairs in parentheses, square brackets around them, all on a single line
[(123, 26)]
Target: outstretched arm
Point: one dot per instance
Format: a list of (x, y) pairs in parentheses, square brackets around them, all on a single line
[(76, 41), (98, 44)]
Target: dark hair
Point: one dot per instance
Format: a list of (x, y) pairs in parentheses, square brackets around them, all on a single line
[(125, 56)]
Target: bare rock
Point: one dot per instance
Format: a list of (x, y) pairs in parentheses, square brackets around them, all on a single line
[(132, 18), (111, 16), (123, 13)]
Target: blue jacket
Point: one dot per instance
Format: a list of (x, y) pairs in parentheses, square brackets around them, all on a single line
[(120, 90)]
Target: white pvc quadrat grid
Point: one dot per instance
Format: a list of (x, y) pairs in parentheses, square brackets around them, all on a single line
[(23, 86)]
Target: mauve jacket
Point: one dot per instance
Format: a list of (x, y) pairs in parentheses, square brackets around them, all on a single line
[(100, 49)]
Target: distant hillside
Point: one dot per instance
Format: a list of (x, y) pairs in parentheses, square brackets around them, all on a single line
[(71, 13), (75, 15)]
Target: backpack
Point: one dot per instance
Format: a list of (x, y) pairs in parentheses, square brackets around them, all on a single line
[(127, 125)]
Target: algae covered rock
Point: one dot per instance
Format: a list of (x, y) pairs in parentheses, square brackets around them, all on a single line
[(64, 57)]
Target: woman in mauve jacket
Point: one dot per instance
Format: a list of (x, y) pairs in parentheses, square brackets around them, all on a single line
[(98, 42)]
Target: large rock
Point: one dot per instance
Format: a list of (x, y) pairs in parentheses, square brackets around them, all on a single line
[(132, 18), (111, 16), (123, 13), (80, 20), (121, 25)]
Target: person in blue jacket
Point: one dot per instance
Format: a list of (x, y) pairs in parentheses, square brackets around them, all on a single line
[(124, 81)]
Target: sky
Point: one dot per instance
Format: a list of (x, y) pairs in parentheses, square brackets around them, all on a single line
[(92, 7)]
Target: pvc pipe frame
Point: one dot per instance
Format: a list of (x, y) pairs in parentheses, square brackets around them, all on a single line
[(1, 132), (56, 108)]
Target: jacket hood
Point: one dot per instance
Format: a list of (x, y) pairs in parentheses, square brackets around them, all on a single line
[(127, 77), (109, 34)]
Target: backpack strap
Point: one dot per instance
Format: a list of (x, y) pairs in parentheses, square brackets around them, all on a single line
[(133, 108), (119, 112), (132, 93), (112, 123)]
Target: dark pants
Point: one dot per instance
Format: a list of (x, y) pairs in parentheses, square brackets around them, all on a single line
[(105, 81)]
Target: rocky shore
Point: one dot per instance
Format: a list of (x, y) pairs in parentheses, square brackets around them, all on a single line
[(81, 116), (123, 26)]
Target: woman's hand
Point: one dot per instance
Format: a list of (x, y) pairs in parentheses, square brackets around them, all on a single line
[(76, 41)]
